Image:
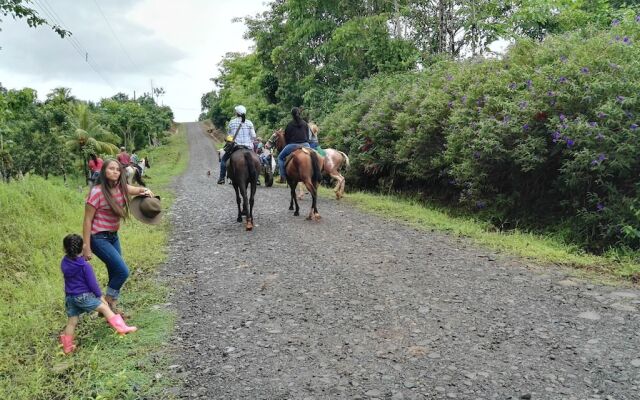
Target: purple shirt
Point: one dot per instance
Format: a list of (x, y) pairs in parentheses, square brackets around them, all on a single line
[(79, 277)]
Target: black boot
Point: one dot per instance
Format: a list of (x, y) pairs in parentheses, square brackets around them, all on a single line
[(221, 181)]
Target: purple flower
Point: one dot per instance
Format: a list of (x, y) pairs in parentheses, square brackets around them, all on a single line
[(512, 85), (563, 59), (451, 104), (506, 119), (593, 124), (584, 70), (449, 77), (633, 127), (550, 93), (615, 22), (555, 136), (464, 99), (562, 117), (602, 115), (637, 18), (626, 40), (619, 99), (570, 143), (523, 104), (525, 127), (600, 207), (602, 157), (629, 114), (562, 79), (529, 83), (617, 38)]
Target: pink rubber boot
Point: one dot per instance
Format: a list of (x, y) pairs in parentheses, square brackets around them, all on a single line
[(118, 324), (67, 343)]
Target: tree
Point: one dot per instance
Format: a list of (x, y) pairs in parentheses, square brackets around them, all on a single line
[(89, 137), (19, 9)]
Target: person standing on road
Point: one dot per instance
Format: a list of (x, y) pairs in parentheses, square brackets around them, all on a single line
[(107, 204), (296, 135), (242, 133)]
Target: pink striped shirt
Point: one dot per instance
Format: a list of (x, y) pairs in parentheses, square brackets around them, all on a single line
[(104, 219)]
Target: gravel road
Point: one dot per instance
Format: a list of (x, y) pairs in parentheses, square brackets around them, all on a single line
[(357, 307)]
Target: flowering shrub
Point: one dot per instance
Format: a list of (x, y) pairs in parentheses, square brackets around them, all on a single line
[(546, 135)]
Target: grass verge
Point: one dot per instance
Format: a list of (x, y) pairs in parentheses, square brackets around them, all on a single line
[(542, 249), (35, 214)]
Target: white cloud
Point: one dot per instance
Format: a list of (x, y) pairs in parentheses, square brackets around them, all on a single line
[(177, 44)]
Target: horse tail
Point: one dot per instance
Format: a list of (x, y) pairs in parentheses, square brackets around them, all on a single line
[(346, 160), (315, 163), (253, 174)]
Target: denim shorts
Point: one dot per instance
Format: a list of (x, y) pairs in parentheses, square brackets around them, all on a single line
[(85, 302)]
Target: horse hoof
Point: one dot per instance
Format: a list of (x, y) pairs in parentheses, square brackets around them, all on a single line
[(249, 227), (291, 208), (239, 219), (309, 218), (317, 217), (296, 214)]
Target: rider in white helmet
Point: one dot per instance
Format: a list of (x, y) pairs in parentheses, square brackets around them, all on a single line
[(241, 132)]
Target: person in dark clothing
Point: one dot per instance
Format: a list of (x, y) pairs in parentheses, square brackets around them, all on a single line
[(296, 135)]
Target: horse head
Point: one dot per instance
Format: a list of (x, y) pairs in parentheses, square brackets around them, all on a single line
[(276, 140)]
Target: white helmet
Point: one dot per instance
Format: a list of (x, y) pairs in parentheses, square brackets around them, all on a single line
[(241, 110)]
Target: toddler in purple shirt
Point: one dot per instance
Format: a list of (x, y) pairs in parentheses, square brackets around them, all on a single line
[(82, 293)]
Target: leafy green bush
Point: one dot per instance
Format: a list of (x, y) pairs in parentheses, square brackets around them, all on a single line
[(546, 135)]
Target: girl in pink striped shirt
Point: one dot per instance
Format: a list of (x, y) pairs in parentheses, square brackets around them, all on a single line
[(107, 204)]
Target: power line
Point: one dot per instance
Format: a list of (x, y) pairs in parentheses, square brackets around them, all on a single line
[(47, 9), (116, 36)]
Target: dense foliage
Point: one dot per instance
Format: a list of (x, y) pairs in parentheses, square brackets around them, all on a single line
[(56, 136), (546, 135)]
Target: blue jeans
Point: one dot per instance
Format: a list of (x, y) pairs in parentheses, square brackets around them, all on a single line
[(223, 165), (85, 302), (288, 149), (106, 246)]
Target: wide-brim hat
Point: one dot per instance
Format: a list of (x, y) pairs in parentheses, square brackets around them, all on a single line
[(146, 209)]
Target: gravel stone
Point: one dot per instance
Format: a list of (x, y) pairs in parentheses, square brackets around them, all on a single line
[(327, 309)]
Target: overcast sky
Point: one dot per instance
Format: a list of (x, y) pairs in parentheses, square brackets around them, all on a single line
[(177, 44)]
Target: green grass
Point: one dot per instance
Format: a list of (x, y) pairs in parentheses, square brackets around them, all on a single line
[(35, 215), (542, 249)]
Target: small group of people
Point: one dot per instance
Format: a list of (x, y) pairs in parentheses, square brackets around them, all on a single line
[(109, 201), (298, 133), (95, 164)]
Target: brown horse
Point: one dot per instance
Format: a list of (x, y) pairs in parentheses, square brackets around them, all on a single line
[(334, 161), (243, 172), (305, 166)]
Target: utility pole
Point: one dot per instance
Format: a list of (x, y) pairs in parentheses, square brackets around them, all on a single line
[(134, 95)]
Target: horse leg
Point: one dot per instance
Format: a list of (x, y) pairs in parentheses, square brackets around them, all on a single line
[(339, 179), (294, 199), (312, 188), (235, 187), (251, 198)]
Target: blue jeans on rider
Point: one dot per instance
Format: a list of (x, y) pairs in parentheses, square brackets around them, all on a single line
[(106, 246), (223, 165), (288, 149), (313, 145)]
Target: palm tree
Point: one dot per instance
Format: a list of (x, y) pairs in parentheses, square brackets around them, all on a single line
[(87, 136)]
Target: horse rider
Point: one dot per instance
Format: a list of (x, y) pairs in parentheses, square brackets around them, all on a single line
[(124, 157), (296, 135), (241, 132)]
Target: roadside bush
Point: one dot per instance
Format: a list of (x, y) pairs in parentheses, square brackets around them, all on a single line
[(546, 136)]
